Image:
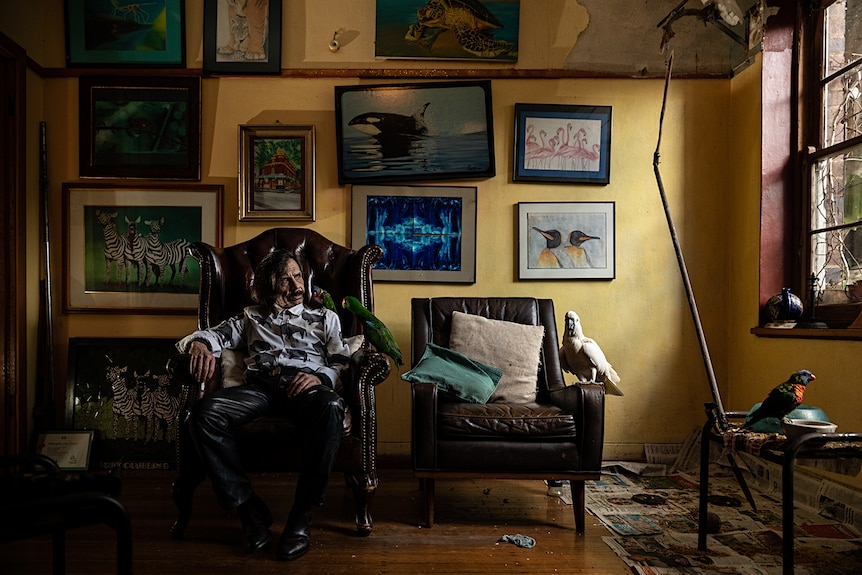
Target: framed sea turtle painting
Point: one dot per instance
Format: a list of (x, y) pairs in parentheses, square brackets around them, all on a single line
[(411, 132), (448, 29)]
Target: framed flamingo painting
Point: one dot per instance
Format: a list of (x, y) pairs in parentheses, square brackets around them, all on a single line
[(562, 143)]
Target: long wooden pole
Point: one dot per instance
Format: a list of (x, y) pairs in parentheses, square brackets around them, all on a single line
[(701, 338)]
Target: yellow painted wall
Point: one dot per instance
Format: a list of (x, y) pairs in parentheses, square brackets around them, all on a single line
[(710, 168)]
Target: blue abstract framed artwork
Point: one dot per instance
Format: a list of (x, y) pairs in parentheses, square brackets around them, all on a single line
[(428, 233), (566, 240), (411, 132), (422, 29), (562, 143), (115, 33)]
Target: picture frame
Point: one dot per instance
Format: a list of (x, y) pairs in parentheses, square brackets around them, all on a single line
[(276, 172), (406, 132), (443, 250), (405, 29), (69, 449), (119, 392), (140, 127), (255, 51), (566, 240), (562, 144), (103, 268), (101, 33)]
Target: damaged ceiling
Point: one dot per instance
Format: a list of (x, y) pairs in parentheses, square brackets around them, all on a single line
[(624, 38)]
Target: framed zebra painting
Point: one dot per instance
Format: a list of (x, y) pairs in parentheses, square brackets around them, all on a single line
[(118, 389), (127, 247)]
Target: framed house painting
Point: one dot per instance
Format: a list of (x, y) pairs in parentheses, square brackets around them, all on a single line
[(428, 233), (119, 392), (127, 246), (561, 143), (242, 37), (412, 132), (140, 127), (463, 30), (276, 172), (566, 240), (125, 34)]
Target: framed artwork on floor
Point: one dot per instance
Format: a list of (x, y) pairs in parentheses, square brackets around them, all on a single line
[(428, 233), (276, 173), (412, 132), (560, 143), (566, 240), (139, 127), (126, 246), (242, 37), (118, 391), (125, 34)]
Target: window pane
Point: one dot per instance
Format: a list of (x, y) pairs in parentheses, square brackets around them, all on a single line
[(842, 108), (843, 42), (836, 204), (842, 96)]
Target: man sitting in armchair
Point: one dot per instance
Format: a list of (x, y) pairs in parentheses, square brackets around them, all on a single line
[(295, 357)]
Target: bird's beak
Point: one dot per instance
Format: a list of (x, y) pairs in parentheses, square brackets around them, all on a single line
[(570, 324)]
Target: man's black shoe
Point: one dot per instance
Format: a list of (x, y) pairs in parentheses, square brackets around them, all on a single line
[(295, 539), (256, 519)]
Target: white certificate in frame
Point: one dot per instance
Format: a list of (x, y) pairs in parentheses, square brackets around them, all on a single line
[(70, 449)]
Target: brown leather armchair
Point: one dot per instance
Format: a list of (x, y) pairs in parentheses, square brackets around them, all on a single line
[(269, 443), (557, 437)]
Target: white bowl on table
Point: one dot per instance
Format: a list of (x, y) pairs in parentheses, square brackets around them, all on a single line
[(798, 427)]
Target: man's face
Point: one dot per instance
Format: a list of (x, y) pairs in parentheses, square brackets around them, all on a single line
[(289, 288)]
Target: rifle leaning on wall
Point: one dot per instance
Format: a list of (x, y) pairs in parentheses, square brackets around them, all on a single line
[(43, 410)]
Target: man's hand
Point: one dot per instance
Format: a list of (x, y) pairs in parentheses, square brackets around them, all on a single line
[(203, 362), (301, 382)]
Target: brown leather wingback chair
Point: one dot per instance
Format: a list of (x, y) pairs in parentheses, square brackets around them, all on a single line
[(558, 437), (269, 443)]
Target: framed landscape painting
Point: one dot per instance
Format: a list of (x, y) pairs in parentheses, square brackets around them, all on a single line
[(412, 132), (428, 233), (126, 247), (139, 127), (123, 34)]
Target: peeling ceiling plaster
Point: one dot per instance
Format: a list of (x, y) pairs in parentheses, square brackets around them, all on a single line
[(623, 38)]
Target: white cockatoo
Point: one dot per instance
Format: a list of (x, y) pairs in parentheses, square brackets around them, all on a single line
[(582, 356), (729, 11)]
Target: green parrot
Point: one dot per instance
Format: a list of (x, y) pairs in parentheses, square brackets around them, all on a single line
[(784, 398), (323, 297), (377, 333)]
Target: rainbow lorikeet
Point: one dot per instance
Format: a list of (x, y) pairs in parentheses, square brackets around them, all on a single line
[(376, 332), (783, 399), (323, 297)]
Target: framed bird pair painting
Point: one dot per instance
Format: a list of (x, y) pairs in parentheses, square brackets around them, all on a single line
[(566, 240)]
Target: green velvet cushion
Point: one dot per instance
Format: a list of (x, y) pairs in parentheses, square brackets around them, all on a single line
[(456, 375)]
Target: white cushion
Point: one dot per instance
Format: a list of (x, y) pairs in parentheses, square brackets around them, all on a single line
[(513, 347)]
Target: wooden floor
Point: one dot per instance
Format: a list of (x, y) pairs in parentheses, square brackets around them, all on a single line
[(471, 516)]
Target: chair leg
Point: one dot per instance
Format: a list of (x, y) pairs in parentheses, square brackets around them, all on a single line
[(578, 505), (428, 487), (183, 492), (364, 485), (58, 551)]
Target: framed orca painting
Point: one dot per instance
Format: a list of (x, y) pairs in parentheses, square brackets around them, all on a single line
[(414, 132)]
